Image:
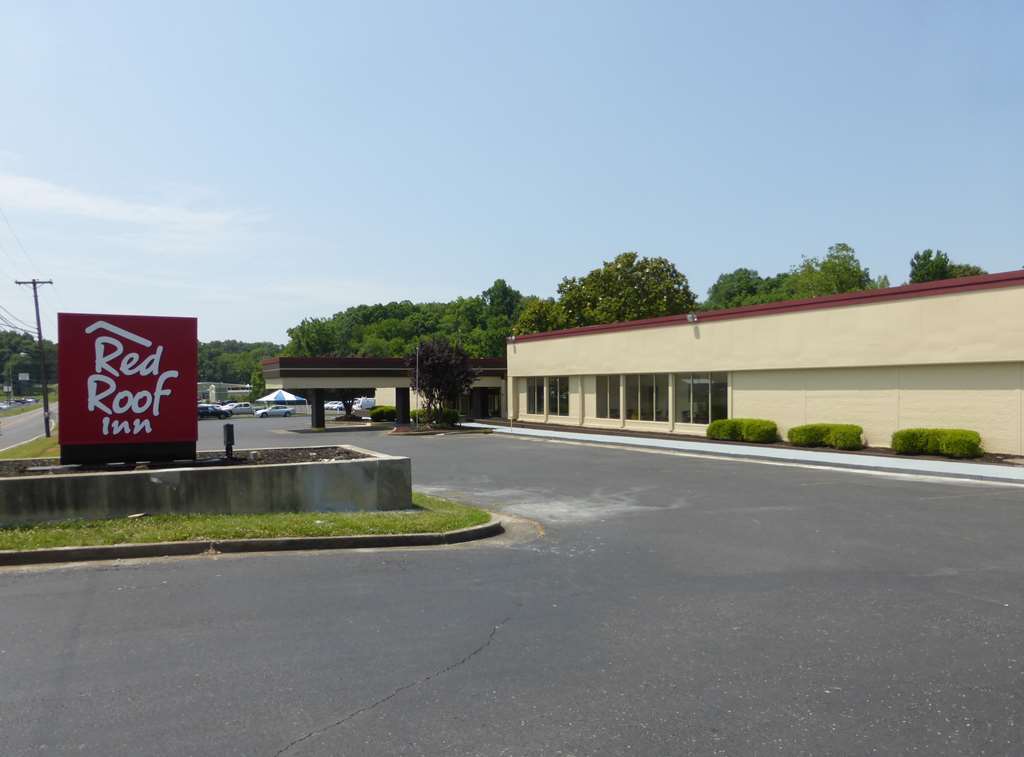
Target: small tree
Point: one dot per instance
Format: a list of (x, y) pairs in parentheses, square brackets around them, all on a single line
[(443, 373), (258, 383)]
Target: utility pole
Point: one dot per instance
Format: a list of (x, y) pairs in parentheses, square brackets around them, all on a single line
[(35, 284)]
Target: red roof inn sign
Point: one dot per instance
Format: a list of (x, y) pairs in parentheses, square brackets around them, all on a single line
[(127, 387)]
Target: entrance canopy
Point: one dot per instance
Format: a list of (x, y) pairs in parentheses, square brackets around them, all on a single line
[(316, 376)]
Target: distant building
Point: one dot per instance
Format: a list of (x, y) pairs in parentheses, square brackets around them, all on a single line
[(219, 391)]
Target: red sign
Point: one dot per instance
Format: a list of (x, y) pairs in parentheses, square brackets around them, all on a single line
[(127, 379)]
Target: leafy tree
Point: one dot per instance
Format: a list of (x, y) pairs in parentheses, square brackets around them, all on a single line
[(12, 344), (259, 384), (625, 289), (440, 374), (935, 265), (734, 289), (540, 315), (502, 300), (314, 336), (839, 271), (960, 270)]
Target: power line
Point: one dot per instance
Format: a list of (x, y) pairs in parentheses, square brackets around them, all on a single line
[(16, 239), (14, 327), (13, 317)]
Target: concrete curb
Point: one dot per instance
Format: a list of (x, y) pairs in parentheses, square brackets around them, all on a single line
[(952, 470), (493, 527)]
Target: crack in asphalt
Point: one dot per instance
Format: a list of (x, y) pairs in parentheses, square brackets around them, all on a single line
[(396, 692)]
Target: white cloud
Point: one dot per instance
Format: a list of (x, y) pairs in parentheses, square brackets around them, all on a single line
[(38, 195)]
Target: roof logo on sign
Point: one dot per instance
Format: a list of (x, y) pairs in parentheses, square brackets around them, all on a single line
[(92, 328)]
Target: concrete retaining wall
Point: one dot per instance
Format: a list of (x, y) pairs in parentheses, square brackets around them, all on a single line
[(376, 482)]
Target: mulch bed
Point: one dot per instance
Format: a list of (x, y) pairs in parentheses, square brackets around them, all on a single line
[(435, 430), (990, 458), (10, 468)]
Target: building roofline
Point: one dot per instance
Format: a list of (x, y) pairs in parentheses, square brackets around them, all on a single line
[(907, 291)]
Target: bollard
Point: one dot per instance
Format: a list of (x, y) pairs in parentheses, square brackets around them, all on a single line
[(229, 440)]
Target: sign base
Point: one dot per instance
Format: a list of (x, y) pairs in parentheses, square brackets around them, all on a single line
[(99, 454)]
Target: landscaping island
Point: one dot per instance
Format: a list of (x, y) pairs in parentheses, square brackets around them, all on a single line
[(429, 515)]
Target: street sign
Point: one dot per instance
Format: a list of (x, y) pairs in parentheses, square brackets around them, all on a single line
[(23, 377), (127, 385)]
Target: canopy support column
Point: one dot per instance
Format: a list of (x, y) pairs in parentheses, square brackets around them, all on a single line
[(316, 402), (402, 406)]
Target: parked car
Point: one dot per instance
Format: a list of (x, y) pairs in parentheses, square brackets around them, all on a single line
[(364, 403), (334, 405), (274, 411), (240, 408), (213, 411)]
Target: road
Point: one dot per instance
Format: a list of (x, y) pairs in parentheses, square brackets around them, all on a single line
[(17, 429), (661, 605)]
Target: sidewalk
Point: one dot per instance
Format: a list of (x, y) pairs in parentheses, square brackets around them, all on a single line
[(949, 469)]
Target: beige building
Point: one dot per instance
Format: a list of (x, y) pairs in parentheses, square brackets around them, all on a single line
[(941, 354)]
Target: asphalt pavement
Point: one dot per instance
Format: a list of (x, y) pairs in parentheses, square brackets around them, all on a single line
[(18, 429), (642, 603)]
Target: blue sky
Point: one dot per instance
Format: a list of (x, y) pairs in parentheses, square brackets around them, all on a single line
[(253, 164)]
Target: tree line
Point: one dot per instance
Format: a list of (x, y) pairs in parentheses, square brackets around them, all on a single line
[(629, 287), (19, 353)]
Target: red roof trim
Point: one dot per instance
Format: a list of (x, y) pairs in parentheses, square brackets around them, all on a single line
[(927, 289)]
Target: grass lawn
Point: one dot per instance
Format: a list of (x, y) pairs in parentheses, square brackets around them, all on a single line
[(41, 447), (18, 410), (432, 514)]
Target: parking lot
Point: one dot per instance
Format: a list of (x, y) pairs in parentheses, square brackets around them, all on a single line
[(651, 604)]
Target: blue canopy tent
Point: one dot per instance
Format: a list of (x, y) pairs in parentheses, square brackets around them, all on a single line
[(281, 397)]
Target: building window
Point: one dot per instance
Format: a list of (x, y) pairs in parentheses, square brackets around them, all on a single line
[(661, 397), (701, 397), (558, 395), (535, 396), (563, 395), (632, 398), (607, 396), (719, 396), (682, 398), (646, 397)]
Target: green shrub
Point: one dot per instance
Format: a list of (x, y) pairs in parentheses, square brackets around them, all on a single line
[(759, 431), (753, 430), (836, 435), (727, 429), (808, 435), (444, 417), (383, 413), (958, 442), (845, 436), (449, 417), (948, 442), (910, 441)]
